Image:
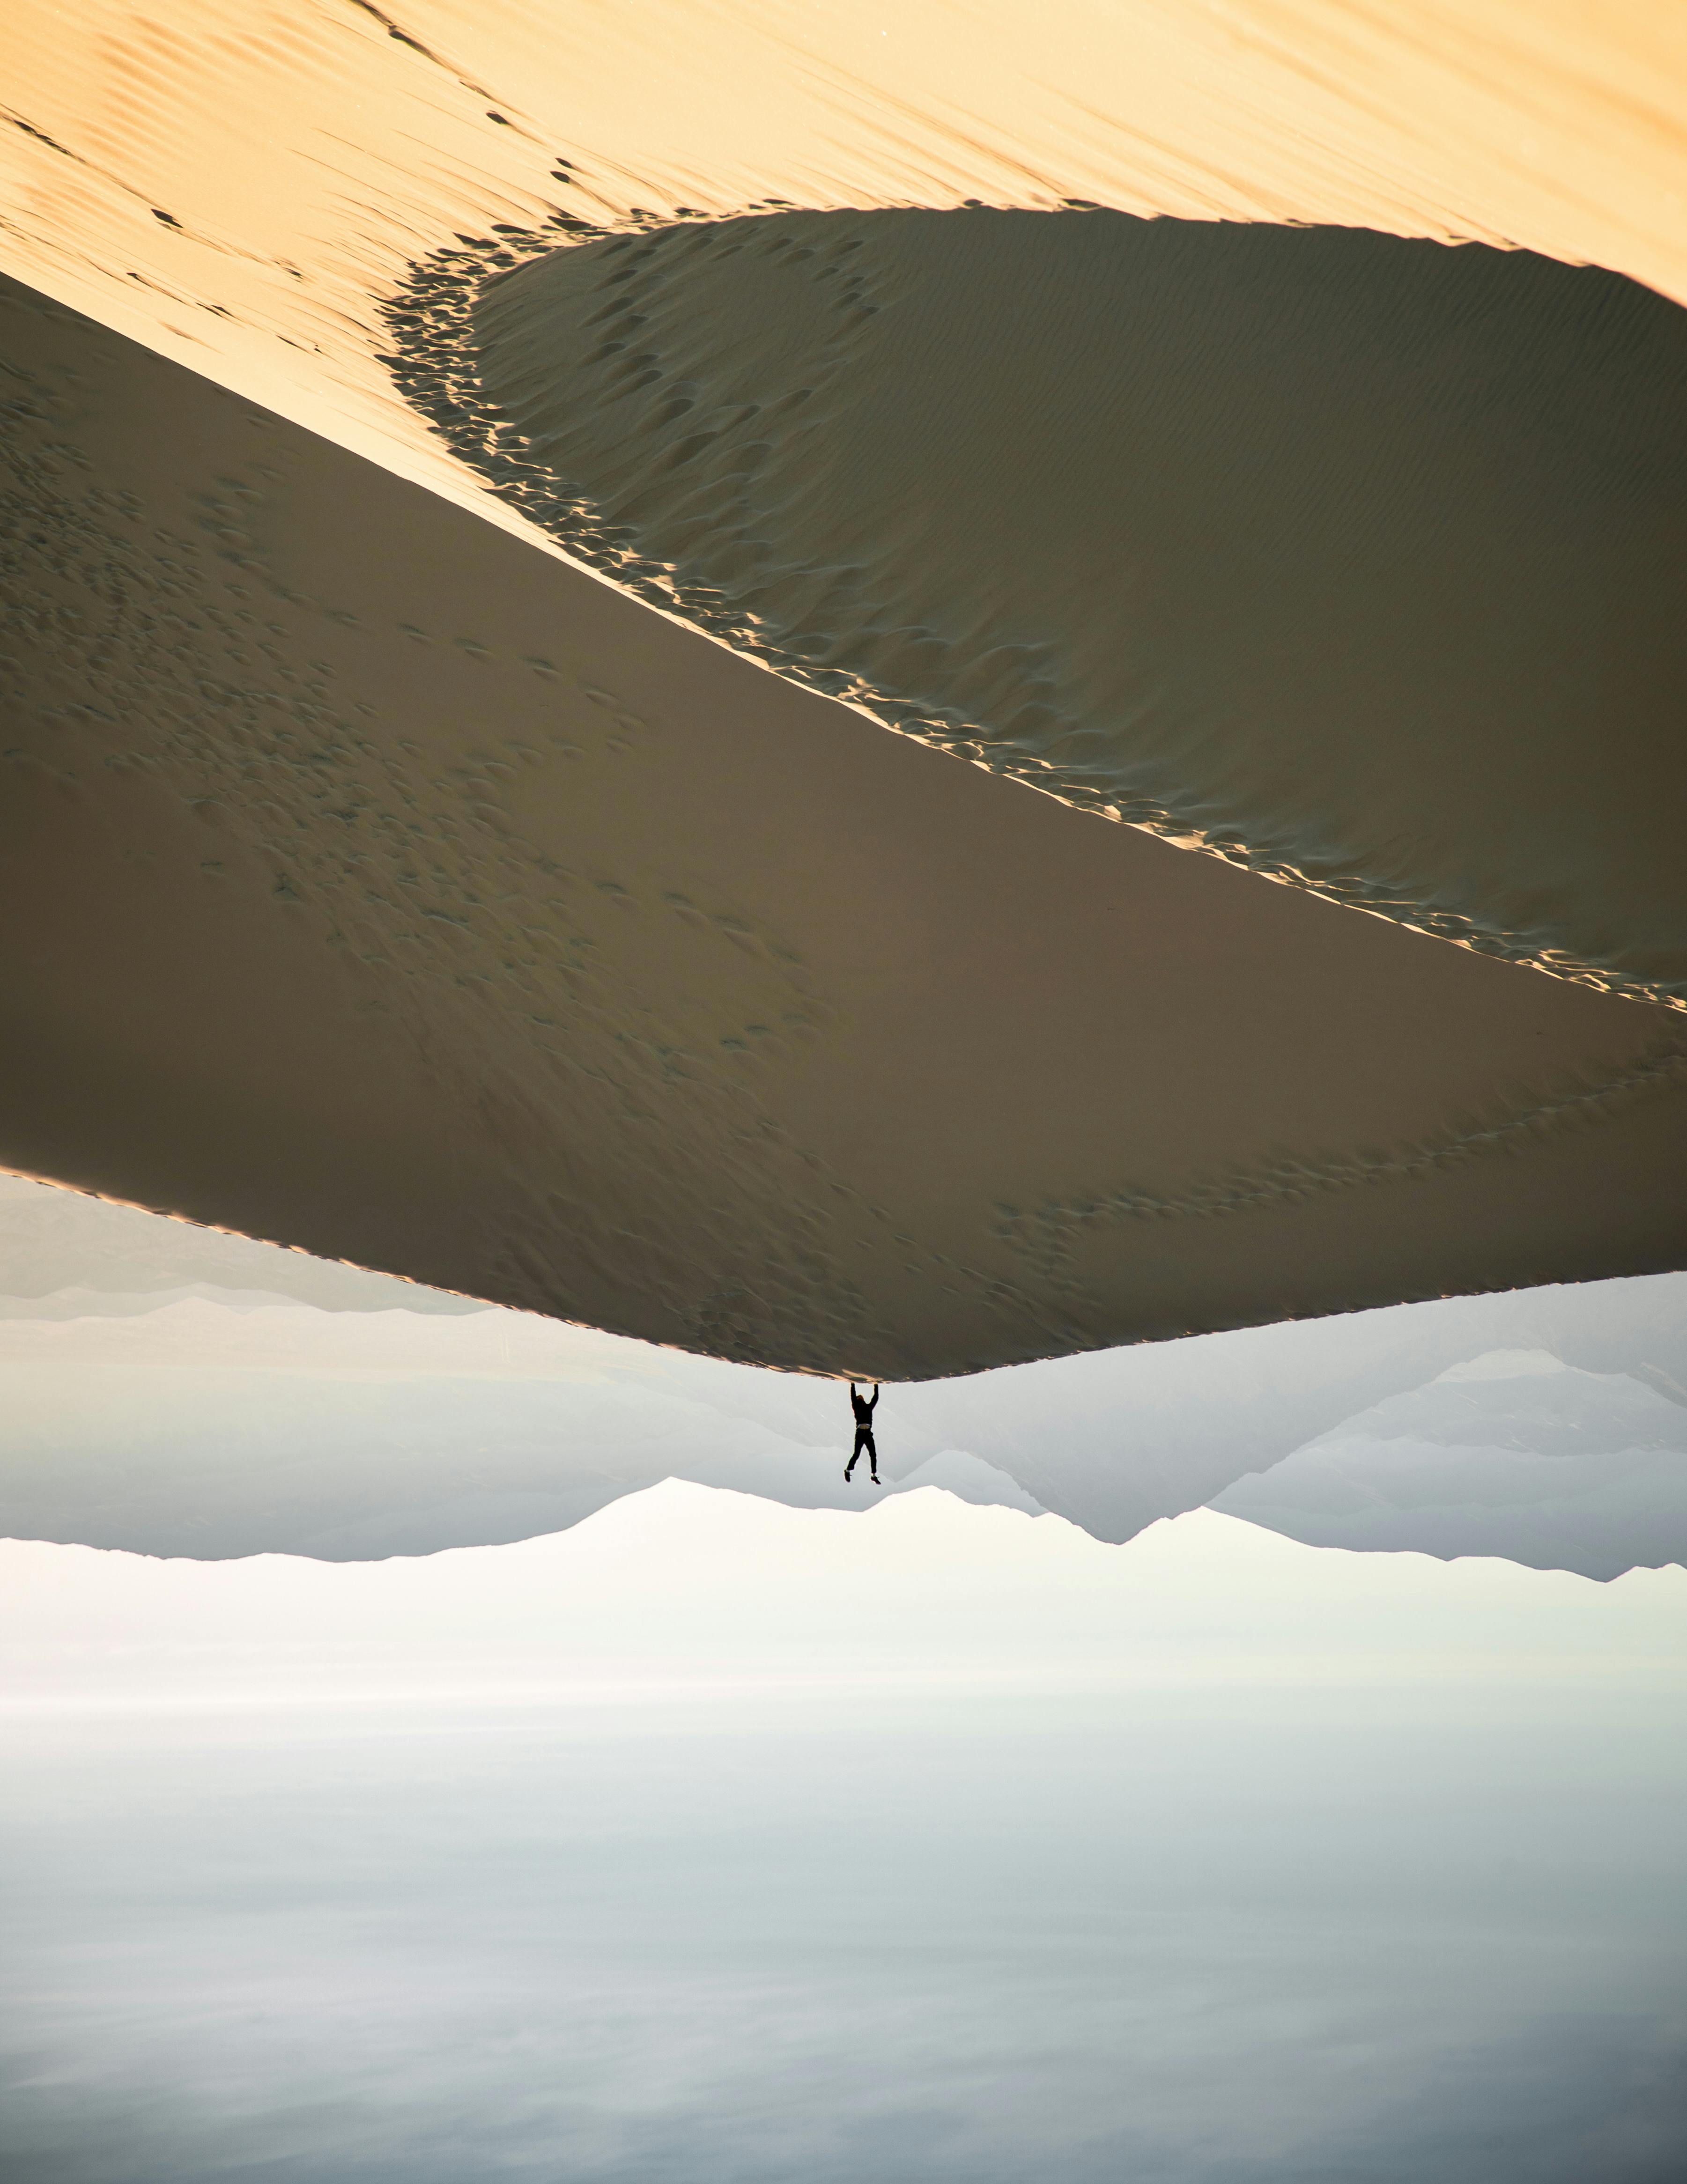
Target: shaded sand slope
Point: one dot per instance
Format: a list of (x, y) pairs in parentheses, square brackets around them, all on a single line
[(378, 884), (1356, 560), (378, 881)]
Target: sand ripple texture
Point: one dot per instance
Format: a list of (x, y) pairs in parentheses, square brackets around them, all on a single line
[(376, 883), (240, 183), (1356, 561)]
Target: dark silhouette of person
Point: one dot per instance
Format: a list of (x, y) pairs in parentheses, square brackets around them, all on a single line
[(864, 1410)]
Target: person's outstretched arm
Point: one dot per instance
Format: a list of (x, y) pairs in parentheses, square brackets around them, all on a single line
[(874, 1405)]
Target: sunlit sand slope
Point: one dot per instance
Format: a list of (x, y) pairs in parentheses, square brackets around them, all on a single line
[(240, 183), (1356, 560), (376, 883)]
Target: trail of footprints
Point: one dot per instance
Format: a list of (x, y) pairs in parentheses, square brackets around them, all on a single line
[(181, 654)]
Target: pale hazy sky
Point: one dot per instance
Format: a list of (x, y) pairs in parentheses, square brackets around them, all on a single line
[(714, 1840), (684, 1584)]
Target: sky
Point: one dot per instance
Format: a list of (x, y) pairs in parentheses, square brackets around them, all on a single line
[(537, 1814), (713, 1839)]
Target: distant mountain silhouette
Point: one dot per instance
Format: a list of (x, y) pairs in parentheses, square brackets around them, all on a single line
[(1536, 1461), (175, 1391)]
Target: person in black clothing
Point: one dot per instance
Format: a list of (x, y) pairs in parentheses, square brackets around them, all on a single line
[(864, 1410)]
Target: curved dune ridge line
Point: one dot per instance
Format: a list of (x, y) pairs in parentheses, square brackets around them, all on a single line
[(381, 880), (238, 182), (1356, 560), (380, 886)]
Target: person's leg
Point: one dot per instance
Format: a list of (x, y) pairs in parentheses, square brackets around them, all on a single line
[(872, 1453), (863, 1440)]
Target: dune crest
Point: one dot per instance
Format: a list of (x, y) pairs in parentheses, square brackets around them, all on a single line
[(239, 188), (380, 880), (380, 886), (1348, 559)]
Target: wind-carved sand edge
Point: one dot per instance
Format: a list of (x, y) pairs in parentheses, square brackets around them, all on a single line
[(431, 320), (1558, 1108)]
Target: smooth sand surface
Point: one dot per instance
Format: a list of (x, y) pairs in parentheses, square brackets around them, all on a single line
[(378, 885)]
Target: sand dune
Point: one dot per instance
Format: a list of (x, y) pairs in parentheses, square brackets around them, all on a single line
[(382, 887), (1353, 561), (240, 189), (381, 880)]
